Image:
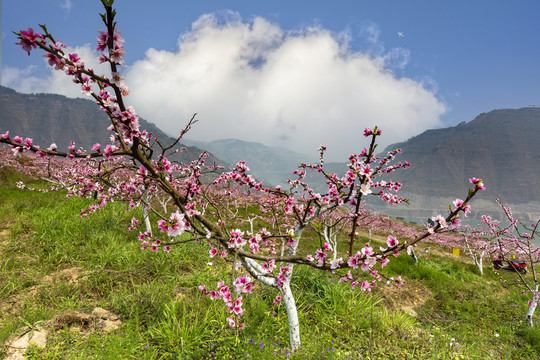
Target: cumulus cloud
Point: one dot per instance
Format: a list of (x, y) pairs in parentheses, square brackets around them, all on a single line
[(254, 81), (23, 80)]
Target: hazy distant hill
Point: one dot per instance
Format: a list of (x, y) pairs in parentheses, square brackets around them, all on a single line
[(49, 118), (273, 165), (500, 146)]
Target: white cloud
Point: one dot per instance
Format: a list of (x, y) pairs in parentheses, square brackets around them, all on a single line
[(20, 79), (397, 58), (67, 5), (371, 32), (256, 82)]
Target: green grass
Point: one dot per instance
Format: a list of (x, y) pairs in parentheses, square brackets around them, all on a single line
[(459, 315)]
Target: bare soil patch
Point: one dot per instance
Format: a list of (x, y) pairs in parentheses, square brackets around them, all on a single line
[(69, 275), (406, 297), (99, 320), (4, 234)]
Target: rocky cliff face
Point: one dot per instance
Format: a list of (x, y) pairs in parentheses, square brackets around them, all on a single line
[(501, 147)]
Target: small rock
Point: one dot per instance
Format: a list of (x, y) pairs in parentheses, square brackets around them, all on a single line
[(104, 314), (18, 345)]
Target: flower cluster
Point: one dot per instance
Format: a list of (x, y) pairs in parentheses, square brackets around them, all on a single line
[(176, 225), (125, 122), (116, 51), (28, 40), (242, 284), (374, 131), (478, 183)]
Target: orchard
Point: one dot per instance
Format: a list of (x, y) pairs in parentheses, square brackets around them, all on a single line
[(258, 231)]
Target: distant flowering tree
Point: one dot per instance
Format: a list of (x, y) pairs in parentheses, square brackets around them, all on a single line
[(135, 165), (478, 247), (516, 238)]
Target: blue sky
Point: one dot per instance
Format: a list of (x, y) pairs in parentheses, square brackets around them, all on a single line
[(455, 60)]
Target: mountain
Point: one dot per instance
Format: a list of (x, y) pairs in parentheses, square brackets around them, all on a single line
[(501, 147), (272, 165), (48, 118)]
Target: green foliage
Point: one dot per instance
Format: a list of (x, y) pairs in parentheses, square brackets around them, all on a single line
[(185, 332), (37, 353), (532, 337)]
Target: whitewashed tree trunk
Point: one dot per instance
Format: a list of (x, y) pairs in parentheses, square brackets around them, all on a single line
[(251, 225), (417, 257), (331, 238), (164, 201), (146, 216), (292, 315), (255, 269), (532, 306), (478, 260), (146, 220), (479, 263), (288, 298)]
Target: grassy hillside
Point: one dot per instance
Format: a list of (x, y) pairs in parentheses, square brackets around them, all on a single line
[(56, 268)]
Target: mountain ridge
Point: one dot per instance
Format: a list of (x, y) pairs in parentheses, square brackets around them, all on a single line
[(48, 118), (499, 146)]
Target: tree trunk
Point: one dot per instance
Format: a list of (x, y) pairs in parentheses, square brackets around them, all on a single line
[(292, 315), (146, 219), (478, 259), (532, 306), (287, 297), (255, 269), (146, 216), (480, 264), (417, 257), (331, 238)]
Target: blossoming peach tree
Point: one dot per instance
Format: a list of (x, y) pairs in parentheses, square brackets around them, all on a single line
[(135, 165), (515, 238)]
